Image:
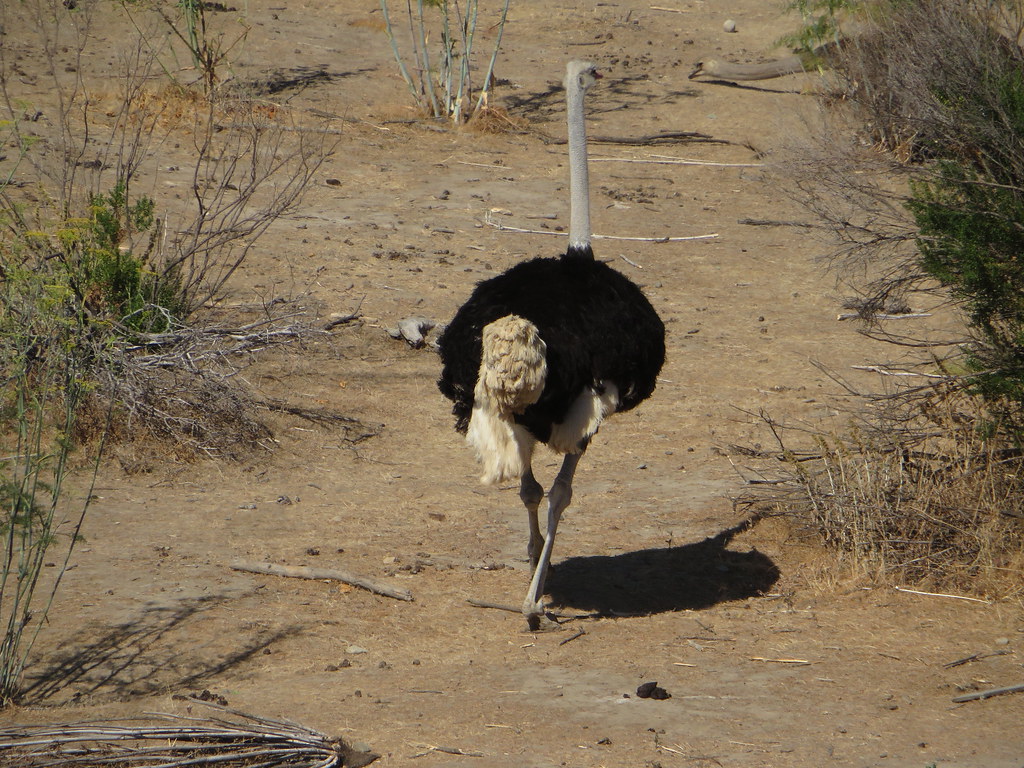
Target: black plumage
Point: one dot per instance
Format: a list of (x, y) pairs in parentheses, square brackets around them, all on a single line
[(597, 324)]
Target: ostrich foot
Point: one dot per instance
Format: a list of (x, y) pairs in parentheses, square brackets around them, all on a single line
[(539, 621)]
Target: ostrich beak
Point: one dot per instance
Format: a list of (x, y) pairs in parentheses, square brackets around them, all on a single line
[(698, 70)]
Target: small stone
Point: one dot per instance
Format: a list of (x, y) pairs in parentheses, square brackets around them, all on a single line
[(729, 25), (1002, 641), (354, 649)]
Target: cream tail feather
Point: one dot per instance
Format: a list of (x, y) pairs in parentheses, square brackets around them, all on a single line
[(513, 371)]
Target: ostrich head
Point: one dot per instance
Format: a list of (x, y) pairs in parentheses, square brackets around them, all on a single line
[(581, 74)]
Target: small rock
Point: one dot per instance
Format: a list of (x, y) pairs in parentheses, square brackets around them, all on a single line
[(1002, 641), (413, 330), (353, 649), (729, 26)]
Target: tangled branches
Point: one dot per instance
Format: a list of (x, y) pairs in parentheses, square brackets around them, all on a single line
[(232, 739)]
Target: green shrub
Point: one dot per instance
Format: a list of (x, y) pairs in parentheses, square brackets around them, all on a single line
[(93, 256), (970, 216)]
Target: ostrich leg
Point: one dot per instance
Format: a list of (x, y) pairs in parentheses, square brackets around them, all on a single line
[(531, 493), (558, 499)]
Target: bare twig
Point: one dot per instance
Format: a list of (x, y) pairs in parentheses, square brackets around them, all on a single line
[(302, 572), (496, 606), (940, 594), (513, 609), (889, 372), (989, 693), (448, 751), (579, 633), (777, 223), (973, 657)]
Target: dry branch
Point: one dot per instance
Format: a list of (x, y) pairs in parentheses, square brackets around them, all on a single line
[(989, 693), (777, 223), (325, 574), (973, 657), (884, 316), (496, 606), (665, 137)]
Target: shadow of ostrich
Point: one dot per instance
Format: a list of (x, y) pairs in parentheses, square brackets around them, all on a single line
[(660, 580)]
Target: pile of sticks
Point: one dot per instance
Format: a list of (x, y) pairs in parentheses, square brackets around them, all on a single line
[(231, 739)]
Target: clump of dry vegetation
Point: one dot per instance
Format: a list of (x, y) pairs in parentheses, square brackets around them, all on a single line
[(927, 208), (917, 494), (107, 293)]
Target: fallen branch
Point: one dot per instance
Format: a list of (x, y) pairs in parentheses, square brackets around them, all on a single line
[(579, 633), (513, 609), (777, 223), (447, 750), (337, 320), (973, 657), (496, 606), (884, 316), (888, 372), (324, 574), (665, 137), (989, 693)]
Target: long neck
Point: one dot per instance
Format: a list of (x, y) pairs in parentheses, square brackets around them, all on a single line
[(579, 180)]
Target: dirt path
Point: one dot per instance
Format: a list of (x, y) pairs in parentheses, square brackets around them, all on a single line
[(770, 660)]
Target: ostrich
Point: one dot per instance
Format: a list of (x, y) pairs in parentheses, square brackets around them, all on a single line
[(545, 352)]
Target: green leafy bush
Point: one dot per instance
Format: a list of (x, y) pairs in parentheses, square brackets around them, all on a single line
[(93, 256), (970, 216)]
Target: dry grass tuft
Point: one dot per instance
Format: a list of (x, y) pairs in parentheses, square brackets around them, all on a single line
[(497, 120), (180, 392), (928, 500)]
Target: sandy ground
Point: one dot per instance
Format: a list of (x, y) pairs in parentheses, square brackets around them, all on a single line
[(771, 658)]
